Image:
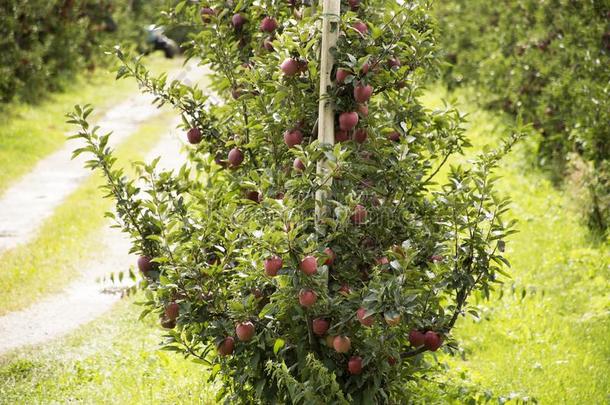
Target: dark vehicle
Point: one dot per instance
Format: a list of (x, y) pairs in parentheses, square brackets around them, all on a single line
[(157, 40)]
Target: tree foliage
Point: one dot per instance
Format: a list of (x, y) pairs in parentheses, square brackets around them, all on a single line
[(548, 62), (285, 308)]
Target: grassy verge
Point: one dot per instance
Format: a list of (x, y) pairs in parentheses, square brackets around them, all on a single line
[(549, 335), (113, 360), (69, 237), (30, 132)]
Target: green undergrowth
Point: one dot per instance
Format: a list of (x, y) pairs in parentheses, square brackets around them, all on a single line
[(30, 132), (70, 236), (114, 360), (548, 336)]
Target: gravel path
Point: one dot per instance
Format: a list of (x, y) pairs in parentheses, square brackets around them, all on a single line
[(27, 204), (86, 298)]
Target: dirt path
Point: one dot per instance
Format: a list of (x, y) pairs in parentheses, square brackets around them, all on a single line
[(86, 298), (27, 204)]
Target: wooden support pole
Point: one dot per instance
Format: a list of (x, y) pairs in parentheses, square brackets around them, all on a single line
[(331, 15)]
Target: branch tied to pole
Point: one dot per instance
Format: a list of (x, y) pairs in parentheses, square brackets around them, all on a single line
[(331, 16)]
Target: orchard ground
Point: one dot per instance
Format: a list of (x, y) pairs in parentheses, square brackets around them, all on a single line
[(546, 338)]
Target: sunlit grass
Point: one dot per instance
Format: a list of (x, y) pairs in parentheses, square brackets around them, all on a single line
[(549, 336), (114, 360), (70, 236), (31, 131)]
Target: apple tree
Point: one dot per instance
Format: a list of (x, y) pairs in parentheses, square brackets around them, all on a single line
[(315, 246)]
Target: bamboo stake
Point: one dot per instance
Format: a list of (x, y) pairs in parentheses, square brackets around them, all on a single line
[(331, 14)]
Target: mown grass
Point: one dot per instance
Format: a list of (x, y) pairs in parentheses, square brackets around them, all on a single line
[(549, 335), (70, 236), (31, 131), (114, 360)]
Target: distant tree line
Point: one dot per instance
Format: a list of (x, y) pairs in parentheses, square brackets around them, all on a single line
[(43, 43), (548, 61)]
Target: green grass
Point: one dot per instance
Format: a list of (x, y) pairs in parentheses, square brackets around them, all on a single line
[(549, 335), (30, 132), (70, 236), (114, 360)]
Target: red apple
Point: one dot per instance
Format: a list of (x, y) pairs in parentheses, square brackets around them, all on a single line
[(298, 165), (320, 326), (172, 310), (307, 297), (290, 67), (394, 63), (436, 258), (293, 138), (360, 27), (273, 264), (394, 136), (342, 344), (330, 256), (362, 94), (238, 21), (432, 341), (345, 290), (194, 135), (341, 136), (348, 121), (236, 157), (354, 365), (168, 323), (268, 24), (309, 265), (361, 135), (226, 346), (391, 318), (329, 340), (416, 338), (145, 265), (392, 360), (245, 331), (253, 196), (364, 320), (354, 4), (206, 14), (359, 215), (382, 261), (341, 75)]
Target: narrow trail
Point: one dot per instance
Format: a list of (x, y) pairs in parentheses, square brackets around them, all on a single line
[(86, 298), (28, 203)]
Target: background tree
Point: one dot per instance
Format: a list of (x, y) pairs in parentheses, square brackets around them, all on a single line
[(283, 306)]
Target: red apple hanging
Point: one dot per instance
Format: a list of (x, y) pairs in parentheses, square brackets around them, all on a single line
[(342, 344), (348, 120), (226, 346), (354, 365), (307, 297), (416, 338), (145, 265), (273, 264), (365, 320), (245, 331), (432, 341), (341, 75), (194, 135), (361, 135), (362, 93), (235, 157), (320, 326), (172, 310), (330, 256), (290, 67), (293, 138), (238, 21), (269, 24), (309, 265)]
